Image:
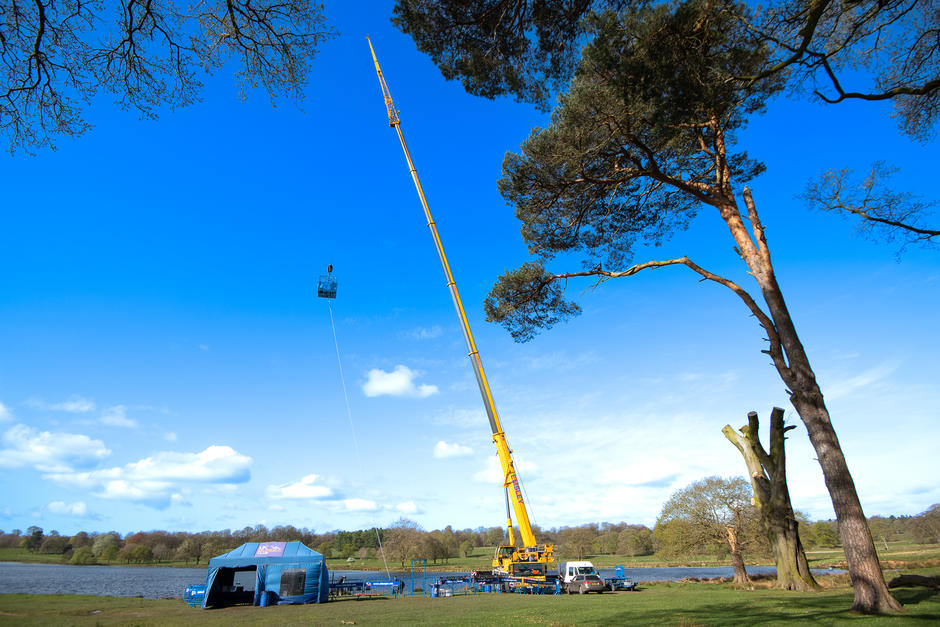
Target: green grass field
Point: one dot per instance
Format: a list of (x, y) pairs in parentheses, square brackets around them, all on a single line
[(685, 604)]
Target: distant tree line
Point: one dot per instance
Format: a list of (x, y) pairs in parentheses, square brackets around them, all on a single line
[(673, 536)]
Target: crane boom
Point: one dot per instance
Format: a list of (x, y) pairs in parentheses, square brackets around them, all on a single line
[(532, 552)]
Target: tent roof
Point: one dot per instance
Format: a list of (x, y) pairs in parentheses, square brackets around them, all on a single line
[(253, 553)]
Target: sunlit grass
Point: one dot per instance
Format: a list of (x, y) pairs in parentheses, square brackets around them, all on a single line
[(656, 604)]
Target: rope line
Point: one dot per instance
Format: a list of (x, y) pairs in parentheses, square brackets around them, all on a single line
[(352, 429)]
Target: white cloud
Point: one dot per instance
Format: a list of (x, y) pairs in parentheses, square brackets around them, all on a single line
[(408, 507), (359, 505), (117, 417), (444, 449), (170, 436), (306, 488), (5, 415), (78, 508), (399, 382), (157, 480), (49, 452), (74, 404)]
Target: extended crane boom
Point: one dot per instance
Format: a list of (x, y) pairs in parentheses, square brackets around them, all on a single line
[(531, 561)]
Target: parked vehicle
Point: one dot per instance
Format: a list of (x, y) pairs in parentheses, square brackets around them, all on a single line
[(567, 571), (582, 584)]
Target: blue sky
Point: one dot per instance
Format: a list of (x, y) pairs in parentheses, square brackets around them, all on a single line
[(165, 362)]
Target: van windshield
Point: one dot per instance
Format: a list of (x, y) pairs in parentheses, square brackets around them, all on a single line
[(586, 570)]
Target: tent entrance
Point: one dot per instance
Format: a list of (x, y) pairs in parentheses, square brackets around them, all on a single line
[(234, 586)]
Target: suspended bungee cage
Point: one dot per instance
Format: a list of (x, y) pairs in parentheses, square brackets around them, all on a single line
[(326, 286)]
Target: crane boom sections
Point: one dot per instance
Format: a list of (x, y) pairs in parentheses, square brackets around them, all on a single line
[(511, 481)]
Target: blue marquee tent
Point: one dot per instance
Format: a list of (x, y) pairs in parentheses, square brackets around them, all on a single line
[(283, 573)]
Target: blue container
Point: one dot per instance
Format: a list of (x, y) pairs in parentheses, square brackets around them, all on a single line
[(268, 597), (487, 587)]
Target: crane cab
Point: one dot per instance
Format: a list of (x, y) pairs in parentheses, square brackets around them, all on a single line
[(531, 563)]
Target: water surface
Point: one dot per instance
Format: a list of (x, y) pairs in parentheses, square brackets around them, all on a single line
[(164, 583)]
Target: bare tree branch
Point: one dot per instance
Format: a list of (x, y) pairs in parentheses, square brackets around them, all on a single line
[(775, 351), (57, 54), (882, 212)]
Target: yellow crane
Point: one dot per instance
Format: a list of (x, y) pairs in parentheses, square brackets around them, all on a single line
[(531, 561)]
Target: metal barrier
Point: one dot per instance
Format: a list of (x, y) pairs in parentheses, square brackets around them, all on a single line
[(194, 595)]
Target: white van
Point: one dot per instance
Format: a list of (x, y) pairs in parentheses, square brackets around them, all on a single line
[(569, 570)]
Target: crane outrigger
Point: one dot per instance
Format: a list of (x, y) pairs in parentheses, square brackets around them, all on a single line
[(530, 562)]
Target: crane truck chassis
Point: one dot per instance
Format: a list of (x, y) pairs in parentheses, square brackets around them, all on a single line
[(529, 564)]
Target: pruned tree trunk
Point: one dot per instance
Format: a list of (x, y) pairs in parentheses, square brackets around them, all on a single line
[(871, 592), (772, 499), (737, 561)]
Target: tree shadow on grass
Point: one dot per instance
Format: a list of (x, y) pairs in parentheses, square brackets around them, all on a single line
[(742, 612), (921, 605), (913, 596)]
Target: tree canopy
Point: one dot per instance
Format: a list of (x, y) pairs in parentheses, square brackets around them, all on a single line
[(644, 136), (57, 54), (833, 50), (713, 510)]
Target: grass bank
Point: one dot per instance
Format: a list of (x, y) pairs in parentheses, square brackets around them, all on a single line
[(684, 604)]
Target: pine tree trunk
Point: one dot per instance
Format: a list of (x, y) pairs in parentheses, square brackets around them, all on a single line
[(871, 592), (772, 499)]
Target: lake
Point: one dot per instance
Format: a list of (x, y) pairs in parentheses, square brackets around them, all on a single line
[(163, 583)]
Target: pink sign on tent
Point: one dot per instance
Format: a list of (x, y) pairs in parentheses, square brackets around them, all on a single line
[(270, 549)]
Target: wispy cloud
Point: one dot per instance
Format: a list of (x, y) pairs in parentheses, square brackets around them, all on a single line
[(425, 333), (49, 452), (74, 404), (465, 418), (117, 417), (445, 449), (306, 488), (867, 378), (493, 471), (561, 361), (5, 414), (399, 382), (157, 480), (170, 436)]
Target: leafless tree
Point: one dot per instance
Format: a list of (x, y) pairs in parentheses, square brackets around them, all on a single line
[(55, 55)]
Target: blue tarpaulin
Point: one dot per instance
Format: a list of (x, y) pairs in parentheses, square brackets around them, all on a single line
[(285, 573)]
